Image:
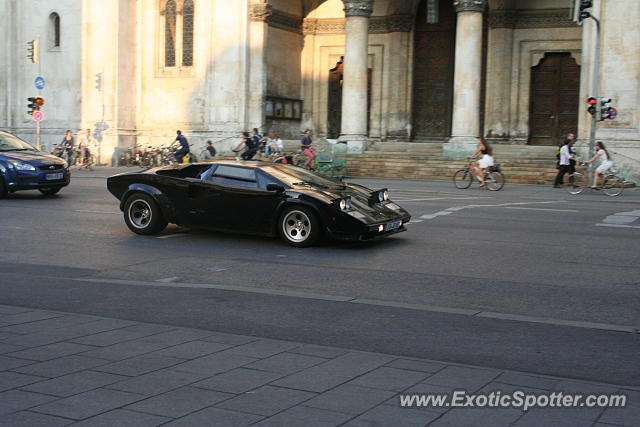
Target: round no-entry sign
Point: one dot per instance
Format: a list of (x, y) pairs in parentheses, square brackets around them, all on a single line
[(37, 116)]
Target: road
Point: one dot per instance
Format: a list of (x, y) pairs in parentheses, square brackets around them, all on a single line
[(528, 278)]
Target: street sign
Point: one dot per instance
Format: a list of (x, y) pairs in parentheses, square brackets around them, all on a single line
[(37, 116), (613, 113), (39, 83)]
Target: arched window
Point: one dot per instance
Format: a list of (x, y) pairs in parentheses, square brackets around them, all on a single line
[(187, 33), (178, 30), (54, 29), (171, 20)]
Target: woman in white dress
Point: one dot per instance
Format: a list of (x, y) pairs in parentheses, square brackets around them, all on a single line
[(605, 165), (275, 145), (485, 161)]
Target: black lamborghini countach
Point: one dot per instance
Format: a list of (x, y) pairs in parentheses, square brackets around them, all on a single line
[(255, 197)]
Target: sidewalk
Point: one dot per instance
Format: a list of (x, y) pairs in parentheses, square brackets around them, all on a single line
[(61, 368)]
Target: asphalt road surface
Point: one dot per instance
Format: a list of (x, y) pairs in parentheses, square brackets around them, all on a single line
[(528, 278)]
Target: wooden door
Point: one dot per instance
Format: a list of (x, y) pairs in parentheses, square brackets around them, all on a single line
[(434, 52), (334, 100), (555, 97)]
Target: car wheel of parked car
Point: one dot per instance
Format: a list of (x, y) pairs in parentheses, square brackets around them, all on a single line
[(3, 188), (298, 226), (142, 215), (50, 191)]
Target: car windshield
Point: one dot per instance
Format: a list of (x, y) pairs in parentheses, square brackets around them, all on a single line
[(10, 142), (293, 175)]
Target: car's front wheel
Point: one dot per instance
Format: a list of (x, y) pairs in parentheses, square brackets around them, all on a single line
[(142, 215), (50, 191), (299, 226)]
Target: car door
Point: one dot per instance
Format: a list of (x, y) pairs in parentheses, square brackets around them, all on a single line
[(235, 200)]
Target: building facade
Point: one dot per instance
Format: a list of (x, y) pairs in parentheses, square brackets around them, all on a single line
[(447, 71)]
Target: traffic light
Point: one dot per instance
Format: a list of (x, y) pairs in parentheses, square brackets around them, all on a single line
[(32, 50), (34, 104), (583, 13), (605, 110), (99, 81), (592, 105)]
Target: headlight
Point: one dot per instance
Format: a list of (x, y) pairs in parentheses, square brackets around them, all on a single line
[(386, 195), (23, 166), (344, 204), (381, 196)]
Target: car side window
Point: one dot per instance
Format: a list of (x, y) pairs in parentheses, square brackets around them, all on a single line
[(232, 175), (265, 179)]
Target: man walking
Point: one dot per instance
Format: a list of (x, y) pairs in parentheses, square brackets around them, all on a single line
[(184, 147), (564, 164)]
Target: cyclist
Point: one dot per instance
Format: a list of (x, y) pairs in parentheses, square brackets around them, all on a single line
[(305, 147), (184, 147), (84, 144), (605, 164), (484, 162)]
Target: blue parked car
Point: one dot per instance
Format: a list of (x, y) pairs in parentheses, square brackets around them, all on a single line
[(22, 167)]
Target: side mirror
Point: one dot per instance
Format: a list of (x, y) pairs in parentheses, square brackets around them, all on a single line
[(275, 187)]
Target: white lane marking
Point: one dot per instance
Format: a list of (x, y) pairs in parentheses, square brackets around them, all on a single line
[(413, 221), (617, 225), (168, 236), (542, 209), (499, 205), (12, 227), (439, 198), (621, 219), (97, 212), (441, 213), (168, 280)]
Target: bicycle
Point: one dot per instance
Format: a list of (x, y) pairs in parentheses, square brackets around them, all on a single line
[(493, 177), (612, 185)]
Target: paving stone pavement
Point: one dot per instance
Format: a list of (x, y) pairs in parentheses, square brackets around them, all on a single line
[(59, 369)]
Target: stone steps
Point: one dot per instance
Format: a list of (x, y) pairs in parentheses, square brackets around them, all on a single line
[(424, 161)]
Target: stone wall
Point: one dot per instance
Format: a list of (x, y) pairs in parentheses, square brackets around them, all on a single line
[(60, 66)]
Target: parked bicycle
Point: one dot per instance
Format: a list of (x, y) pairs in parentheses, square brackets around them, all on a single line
[(493, 177), (612, 185)]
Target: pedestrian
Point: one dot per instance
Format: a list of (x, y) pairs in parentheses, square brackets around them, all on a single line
[(564, 164), (184, 146), (210, 150), (68, 145), (570, 137), (485, 161), (84, 145), (605, 164), (305, 147)]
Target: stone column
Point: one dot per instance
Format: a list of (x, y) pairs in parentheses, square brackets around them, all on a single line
[(259, 13), (465, 128), (354, 88)]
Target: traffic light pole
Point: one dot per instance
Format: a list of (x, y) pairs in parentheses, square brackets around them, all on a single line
[(595, 88), (38, 145)]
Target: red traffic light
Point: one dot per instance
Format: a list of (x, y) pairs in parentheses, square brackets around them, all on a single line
[(592, 101)]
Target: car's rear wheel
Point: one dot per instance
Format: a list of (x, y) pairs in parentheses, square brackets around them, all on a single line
[(3, 188), (142, 215), (299, 227), (49, 191)]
